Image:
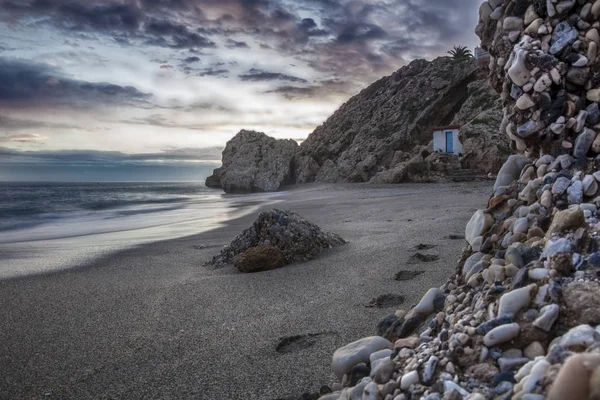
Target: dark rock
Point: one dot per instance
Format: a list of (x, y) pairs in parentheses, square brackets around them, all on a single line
[(296, 238), (439, 303), (385, 324), (593, 114), (520, 279), (487, 326), (594, 260), (505, 376), (582, 145), (358, 372), (410, 325), (578, 76)]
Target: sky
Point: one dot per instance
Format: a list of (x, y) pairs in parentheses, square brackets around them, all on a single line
[(113, 86)]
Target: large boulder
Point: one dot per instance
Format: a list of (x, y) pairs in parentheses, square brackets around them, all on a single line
[(255, 162), (295, 238)]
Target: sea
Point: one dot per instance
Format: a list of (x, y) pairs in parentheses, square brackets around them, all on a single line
[(49, 226)]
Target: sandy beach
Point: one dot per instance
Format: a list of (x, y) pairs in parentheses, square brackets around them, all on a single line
[(152, 322)]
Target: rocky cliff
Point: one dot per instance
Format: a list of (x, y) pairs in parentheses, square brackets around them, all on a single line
[(377, 131), (254, 162)]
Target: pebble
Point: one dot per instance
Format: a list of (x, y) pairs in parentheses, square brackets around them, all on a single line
[(357, 352), (371, 392), (409, 379), (515, 300), (501, 334), (548, 315)]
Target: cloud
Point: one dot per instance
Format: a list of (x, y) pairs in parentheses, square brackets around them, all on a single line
[(108, 158), (190, 60), (23, 138), (257, 75), (232, 44), (26, 83), (213, 72)]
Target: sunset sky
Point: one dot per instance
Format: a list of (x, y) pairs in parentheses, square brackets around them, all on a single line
[(165, 83)]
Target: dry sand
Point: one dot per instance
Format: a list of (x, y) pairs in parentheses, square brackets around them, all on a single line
[(152, 322)]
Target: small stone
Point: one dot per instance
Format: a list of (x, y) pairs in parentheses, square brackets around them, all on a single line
[(371, 392), (564, 35), (501, 334), (426, 305), (382, 373), (560, 185), (515, 300), (548, 315), (409, 379), (450, 386), (575, 193), (430, 369), (569, 219), (524, 102), (512, 23), (479, 224), (357, 352), (535, 349), (518, 72), (410, 342)]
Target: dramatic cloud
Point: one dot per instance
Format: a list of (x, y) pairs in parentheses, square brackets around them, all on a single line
[(89, 157), (23, 82), (137, 76), (257, 75), (23, 138)]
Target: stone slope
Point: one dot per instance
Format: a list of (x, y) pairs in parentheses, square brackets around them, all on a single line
[(378, 129), (254, 162)]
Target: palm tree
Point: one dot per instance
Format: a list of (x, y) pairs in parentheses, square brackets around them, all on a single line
[(460, 53)]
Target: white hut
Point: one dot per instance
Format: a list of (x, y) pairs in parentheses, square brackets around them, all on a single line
[(445, 139)]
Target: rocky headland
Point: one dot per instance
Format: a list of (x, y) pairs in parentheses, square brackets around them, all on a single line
[(254, 162), (520, 317), (382, 135)]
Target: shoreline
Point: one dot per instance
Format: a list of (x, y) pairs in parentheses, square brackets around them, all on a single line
[(163, 325)]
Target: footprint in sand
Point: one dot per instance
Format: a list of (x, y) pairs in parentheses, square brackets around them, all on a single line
[(292, 344), (421, 258), (456, 237), (386, 301), (407, 275), (422, 246)]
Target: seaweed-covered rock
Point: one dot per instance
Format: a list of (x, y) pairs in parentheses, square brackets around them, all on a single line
[(260, 258), (294, 237)]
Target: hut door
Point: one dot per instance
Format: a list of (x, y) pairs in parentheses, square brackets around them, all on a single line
[(449, 142)]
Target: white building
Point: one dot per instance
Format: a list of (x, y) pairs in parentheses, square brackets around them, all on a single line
[(445, 139)]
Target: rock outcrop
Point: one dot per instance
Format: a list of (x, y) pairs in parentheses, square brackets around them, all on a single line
[(255, 162), (378, 132), (519, 319), (276, 234)]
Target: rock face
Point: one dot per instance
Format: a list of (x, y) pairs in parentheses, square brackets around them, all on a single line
[(276, 234), (254, 162), (379, 131)]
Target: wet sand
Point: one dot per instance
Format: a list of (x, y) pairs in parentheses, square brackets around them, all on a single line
[(152, 322)]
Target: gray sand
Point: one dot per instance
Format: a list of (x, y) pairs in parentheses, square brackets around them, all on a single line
[(151, 322)]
